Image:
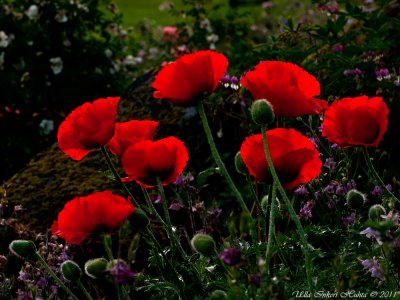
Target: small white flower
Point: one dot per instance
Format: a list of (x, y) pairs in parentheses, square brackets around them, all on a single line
[(56, 65), (4, 40), (46, 126), (61, 17), (32, 12)]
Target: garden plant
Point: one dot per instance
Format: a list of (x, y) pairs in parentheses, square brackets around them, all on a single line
[(248, 159)]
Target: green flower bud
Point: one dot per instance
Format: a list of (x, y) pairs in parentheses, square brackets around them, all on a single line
[(218, 295), (240, 165), (262, 112), (71, 271), (355, 199), (204, 244), (375, 212), (95, 267), (139, 219), (24, 249), (264, 203)]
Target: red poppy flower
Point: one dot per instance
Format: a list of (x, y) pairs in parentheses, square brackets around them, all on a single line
[(129, 133), (88, 126), (185, 80), (82, 215), (286, 86), (147, 160), (294, 157), (356, 121)]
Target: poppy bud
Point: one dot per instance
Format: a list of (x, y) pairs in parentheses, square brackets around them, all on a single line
[(264, 203), (218, 295), (71, 271), (262, 112), (204, 244), (375, 211), (24, 249), (239, 164), (95, 267), (139, 219), (355, 199)]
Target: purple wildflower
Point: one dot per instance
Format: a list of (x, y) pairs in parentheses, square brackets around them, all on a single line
[(373, 267), (306, 210), (301, 191), (230, 256), (369, 232), (330, 164), (331, 187), (213, 216), (315, 141), (358, 72), (256, 280), (156, 199), (225, 80), (391, 216), (382, 74), (349, 220), (335, 146), (42, 282), (175, 206), (338, 48), (23, 276), (341, 190), (121, 273), (377, 191), (397, 81), (351, 185), (389, 187)]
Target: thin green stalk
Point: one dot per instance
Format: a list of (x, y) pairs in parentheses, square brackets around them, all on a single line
[(55, 277), (218, 159), (172, 234), (224, 172), (116, 175), (257, 201), (375, 173), (291, 211), (84, 290), (271, 228)]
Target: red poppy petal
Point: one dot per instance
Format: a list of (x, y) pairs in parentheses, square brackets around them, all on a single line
[(294, 157), (129, 133), (289, 88), (88, 126), (184, 80), (165, 158), (356, 121), (82, 215)]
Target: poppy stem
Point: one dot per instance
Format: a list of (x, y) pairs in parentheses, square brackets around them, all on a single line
[(292, 213), (116, 175), (173, 236), (217, 157), (84, 290), (375, 173), (271, 228), (224, 171), (55, 277), (257, 201)]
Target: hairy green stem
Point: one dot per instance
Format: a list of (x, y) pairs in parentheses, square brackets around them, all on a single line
[(224, 172), (217, 158), (292, 213), (375, 173), (55, 277), (271, 228), (173, 236), (84, 290), (116, 175)]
